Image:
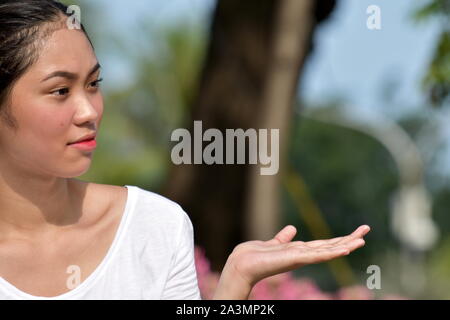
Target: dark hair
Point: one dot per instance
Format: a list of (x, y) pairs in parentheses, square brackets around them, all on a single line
[(24, 25)]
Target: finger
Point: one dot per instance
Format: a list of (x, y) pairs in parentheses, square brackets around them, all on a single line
[(352, 245), (284, 236), (322, 255), (318, 255), (317, 243), (361, 231), (358, 233)]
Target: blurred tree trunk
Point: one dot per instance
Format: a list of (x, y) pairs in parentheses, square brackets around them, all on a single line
[(256, 52)]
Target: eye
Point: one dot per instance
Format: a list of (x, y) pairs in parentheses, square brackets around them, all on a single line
[(61, 92), (96, 83)]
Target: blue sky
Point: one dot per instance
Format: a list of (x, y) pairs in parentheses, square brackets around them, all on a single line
[(350, 60), (354, 62), (122, 16)]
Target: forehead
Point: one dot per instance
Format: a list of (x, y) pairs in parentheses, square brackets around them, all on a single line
[(67, 50)]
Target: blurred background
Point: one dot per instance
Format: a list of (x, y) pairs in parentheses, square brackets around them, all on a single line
[(362, 115)]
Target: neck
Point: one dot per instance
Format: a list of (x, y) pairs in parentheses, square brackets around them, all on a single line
[(34, 207)]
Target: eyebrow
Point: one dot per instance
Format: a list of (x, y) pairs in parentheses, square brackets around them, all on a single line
[(70, 75)]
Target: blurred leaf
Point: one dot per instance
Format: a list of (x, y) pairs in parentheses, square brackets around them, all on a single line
[(437, 79), (434, 8)]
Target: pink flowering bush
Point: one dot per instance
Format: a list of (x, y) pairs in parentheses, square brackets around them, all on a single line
[(279, 287)]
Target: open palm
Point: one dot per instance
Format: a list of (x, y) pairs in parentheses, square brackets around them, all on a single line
[(255, 260)]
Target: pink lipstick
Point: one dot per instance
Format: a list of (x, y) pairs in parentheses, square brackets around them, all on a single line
[(85, 145)]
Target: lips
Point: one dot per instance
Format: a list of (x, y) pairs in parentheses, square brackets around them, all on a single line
[(83, 141), (85, 138)]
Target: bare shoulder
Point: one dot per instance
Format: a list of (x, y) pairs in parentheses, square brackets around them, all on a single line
[(103, 200), (108, 191)]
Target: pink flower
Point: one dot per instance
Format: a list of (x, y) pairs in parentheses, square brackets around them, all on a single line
[(208, 286), (261, 291), (355, 293), (289, 289), (286, 287), (310, 291), (207, 280), (394, 297), (201, 262)]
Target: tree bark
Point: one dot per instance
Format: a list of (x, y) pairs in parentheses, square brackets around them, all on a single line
[(255, 56), (293, 26)]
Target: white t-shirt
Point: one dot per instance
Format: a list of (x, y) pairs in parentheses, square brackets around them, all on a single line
[(151, 256)]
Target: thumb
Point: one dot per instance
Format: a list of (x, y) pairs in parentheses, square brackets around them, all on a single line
[(285, 235)]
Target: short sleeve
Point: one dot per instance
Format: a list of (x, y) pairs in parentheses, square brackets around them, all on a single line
[(182, 282)]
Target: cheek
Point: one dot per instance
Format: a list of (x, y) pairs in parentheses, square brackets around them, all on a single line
[(98, 103), (47, 126), (42, 135), (40, 126), (53, 122)]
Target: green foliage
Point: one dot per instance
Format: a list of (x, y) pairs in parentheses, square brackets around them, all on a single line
[(439, 270), (432, 9), (437, 79)]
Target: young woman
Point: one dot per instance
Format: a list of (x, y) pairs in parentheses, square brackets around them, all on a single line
[(63, 238)]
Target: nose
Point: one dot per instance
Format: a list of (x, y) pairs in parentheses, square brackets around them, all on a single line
[(88, 109)]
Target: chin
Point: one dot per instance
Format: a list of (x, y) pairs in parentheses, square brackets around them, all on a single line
[(77, 173)]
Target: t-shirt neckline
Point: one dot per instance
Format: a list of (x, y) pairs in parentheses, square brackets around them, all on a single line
[(94, 275)]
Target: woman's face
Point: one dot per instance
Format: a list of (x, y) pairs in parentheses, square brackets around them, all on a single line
[(52, 111)]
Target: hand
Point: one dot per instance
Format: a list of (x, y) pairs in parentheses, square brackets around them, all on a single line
[(253, 261)]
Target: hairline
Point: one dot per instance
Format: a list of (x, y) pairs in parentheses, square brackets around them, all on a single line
[(43, 32)]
